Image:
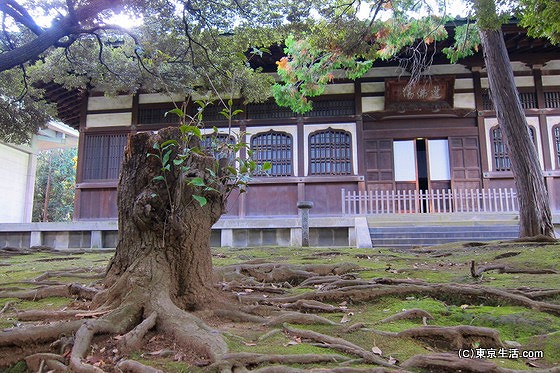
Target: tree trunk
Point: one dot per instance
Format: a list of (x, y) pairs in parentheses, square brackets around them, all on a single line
[(535, 217), (164, 234)]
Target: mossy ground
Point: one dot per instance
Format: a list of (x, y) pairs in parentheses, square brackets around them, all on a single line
[(447, 263)]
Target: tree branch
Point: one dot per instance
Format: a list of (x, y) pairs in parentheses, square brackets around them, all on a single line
[(66, 26), (20, 15)]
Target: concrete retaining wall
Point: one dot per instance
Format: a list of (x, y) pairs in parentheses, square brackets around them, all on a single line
[(227, 232)]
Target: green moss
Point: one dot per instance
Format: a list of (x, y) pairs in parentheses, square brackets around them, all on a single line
[(20, 367)]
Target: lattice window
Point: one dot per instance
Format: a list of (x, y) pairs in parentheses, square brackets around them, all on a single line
[(487, 103), (214, 144), (268, 110), (556, 131), (103, 155), (276, 148), (552, 100), (156, 116), (335, 107), (528, 100), (500, 151), (212, 112), (330, 152)]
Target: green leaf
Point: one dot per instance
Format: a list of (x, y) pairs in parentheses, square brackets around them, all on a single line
[(176, 111), (201, 200), (193, 130), (197, 181), (266, 166), (177, 162), (167, 143), (158, 178), (155, 146), (165, 159)]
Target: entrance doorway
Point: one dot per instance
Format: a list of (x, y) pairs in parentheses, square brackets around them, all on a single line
[(421, 167)]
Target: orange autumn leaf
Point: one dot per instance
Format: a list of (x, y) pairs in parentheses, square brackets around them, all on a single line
[(429, 40), (283, 63)]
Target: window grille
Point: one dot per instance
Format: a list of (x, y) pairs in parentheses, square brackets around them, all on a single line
[(329, 108), (330, 152), (552, 100), (487, 103), (268, 110), (156, 116), (214, 144), (276, 148), (103, 155), (212, 112), (500, 151), (528, 100)]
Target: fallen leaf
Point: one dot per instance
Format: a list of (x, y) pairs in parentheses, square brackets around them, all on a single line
[(376, 350), (464, 306), (249, 343), (392, 360)]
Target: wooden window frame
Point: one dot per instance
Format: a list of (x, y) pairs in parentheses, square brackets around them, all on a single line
[(107, 156), (334, 156), (277, 149), (213, 151), (500, 150)]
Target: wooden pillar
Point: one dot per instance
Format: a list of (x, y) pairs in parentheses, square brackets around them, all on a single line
[(482, 135)]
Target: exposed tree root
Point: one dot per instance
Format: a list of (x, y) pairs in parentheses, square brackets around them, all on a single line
[(250, 360), (132, 366), (299, 318), (293, 274), (133, 338), (461, 293), (116, 322), (71, 290), (337, 344), (502, 268), (286, 369), (454, 337), (75, 273), (313, 306), (451, 363), (39, 315), (413, 313)]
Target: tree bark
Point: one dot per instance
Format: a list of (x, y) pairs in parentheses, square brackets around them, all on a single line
[(535, 217), (164, 234)]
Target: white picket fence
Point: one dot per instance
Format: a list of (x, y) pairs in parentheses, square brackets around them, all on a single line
[(429, 201)]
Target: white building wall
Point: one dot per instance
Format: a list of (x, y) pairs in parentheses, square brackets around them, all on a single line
[(15, 166)]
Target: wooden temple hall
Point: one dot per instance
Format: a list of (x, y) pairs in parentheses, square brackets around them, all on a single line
[(369, 146)]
